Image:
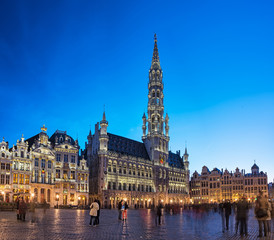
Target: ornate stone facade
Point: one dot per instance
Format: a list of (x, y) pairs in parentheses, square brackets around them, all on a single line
[(44, 170), (143, 173), (217, 186)]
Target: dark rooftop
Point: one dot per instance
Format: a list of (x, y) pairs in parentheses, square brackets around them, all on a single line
[(127, 146), (174, 160)]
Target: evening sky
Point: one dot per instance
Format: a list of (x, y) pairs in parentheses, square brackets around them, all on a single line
[(62, 61)]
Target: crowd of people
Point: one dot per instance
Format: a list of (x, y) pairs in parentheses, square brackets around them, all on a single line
[(263, 211)]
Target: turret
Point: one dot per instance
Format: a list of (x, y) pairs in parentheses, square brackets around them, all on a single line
[(186, 162), (144, 124), (103, 134), (167, 126)]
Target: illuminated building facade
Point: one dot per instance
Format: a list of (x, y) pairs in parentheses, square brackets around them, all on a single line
[(5, 172), (71, 174), (144, 173), (217, 186), (44, 170)]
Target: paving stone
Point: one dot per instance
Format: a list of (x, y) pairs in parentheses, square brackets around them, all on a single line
[(58, 224)]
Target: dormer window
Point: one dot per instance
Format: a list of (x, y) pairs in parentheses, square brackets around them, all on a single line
[(61, 139), (3, 155)]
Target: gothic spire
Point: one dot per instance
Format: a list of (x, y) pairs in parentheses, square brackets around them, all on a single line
[(155, 57)]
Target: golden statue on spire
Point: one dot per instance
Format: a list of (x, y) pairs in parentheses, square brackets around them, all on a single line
[(44, 129)]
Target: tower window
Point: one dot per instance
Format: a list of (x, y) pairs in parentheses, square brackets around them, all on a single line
[(153, 94)]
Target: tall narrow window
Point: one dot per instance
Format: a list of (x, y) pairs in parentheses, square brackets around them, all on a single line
[(15, 178), (36, 162), (43, 163), (36, 176), (49, 177), (7, 179), (27, 179), (57, 173), (7, 166), (2, 179)]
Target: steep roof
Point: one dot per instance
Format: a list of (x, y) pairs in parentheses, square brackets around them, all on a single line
[(174, 160), (255, 166), (127, 146), (61, 136), (32, 140)]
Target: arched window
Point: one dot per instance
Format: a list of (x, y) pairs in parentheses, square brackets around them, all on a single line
[(3, 155)]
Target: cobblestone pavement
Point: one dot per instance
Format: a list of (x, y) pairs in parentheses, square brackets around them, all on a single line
[(74, 224)]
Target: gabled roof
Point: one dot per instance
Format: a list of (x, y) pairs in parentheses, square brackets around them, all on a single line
[(127, 146), (174, 160)]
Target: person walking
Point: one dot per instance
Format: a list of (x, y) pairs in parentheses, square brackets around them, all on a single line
[(242, 211), (261, 207), (94, 207), (227, 208)]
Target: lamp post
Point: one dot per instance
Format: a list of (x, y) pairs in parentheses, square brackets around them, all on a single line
[(57, 196)]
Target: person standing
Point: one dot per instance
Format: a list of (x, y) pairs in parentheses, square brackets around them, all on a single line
[(268, 220), (159, 213), (227, 208), (32, 210), (125, 211), (22, 209), (242, 210), (120, 210), (94, 207), (17, 207), (221, 211), (261, 207), (98, 212)]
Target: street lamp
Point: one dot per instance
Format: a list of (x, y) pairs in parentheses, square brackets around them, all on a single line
[(57, 196)]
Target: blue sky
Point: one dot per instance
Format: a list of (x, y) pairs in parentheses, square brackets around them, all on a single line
[(61, 61)]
